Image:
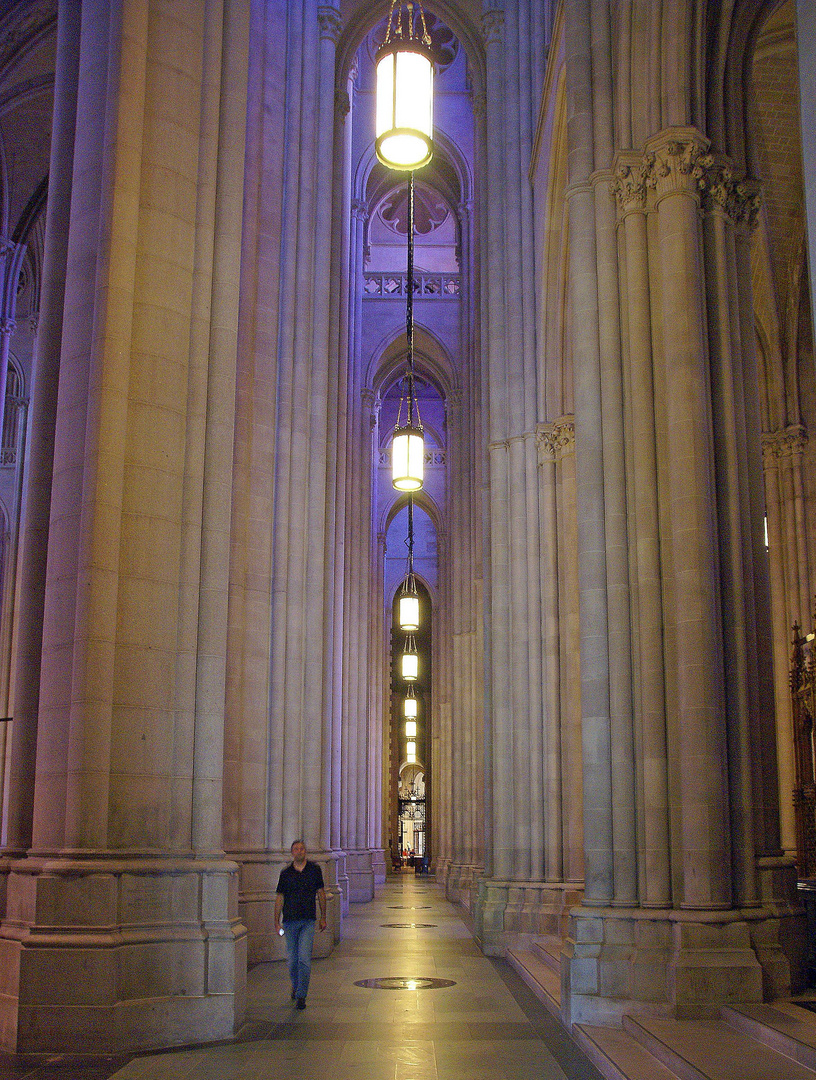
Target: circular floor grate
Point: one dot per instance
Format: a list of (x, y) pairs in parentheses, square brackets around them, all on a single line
[(408, 925), (398, 983)]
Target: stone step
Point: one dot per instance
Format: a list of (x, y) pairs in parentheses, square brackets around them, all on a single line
[(712, 1050), (548, 949), (617, 1055), (783, 1025), (539, 976)]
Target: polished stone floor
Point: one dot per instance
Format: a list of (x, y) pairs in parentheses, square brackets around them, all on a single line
[(487, 1026)]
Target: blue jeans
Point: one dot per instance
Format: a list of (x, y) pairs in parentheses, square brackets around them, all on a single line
[(299, 935)]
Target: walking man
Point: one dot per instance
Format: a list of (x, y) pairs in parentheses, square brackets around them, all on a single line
[(298, 885)]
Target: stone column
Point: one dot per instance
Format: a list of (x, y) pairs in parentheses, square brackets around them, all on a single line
[(282, 746), (654, 884), (515, 896), (715, 917), (144, 946), (783, 452)]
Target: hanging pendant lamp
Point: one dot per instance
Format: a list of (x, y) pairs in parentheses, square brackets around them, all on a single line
[(408, 458), (410, 705), (409, 665), (404, 108)]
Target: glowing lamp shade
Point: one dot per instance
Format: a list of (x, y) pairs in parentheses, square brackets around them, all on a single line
[(410, 729), (404, 120), (408, 458), (412, 748), (409, 708), (410, 661), (411, 758), (408, 616)]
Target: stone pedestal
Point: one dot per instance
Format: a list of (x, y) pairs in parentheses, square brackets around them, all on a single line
[(360, 875), (379, 865), (508, 912), (683, 964), (108, 955)]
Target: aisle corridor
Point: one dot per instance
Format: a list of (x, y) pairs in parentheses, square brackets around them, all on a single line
[(487, 1026)]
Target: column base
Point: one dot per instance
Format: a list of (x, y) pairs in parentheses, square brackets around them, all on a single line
[(508, 913), (683, 964), (379, 864), (360, 876), (258, 875), (108, 955), (462, 884)]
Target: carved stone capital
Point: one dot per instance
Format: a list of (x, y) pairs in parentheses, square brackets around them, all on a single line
[(676, 161), (729, 192), (359, 209), (330, 23), (555, 440), (630, 186), (789, 442), (493, 25)]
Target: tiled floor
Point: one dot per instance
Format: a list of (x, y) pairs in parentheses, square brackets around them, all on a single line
[(488, 1026)]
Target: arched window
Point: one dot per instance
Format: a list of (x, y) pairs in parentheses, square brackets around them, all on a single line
[(12, 414)]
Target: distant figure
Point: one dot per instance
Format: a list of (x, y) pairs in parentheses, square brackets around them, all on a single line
[(298, 885)]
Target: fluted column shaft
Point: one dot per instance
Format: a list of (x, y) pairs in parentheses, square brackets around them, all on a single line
[(595, 703), (696, 611), (44, 407), (654, 864)]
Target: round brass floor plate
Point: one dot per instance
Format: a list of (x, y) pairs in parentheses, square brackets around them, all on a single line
[(398, 983), (408, 925)]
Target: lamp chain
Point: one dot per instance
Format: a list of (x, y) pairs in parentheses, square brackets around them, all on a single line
[(409, 307)]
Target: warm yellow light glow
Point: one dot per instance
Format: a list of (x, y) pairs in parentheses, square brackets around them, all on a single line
[(412, 748), (410, 666), (408, 459), (404, 110), (409, 612), (409, 708), (411, 759), (410, 729)]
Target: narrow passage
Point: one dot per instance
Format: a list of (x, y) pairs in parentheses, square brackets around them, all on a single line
[(486, 1026)]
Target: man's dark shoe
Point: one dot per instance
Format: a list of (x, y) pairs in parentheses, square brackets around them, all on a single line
[(292, 995), (301, 1003)]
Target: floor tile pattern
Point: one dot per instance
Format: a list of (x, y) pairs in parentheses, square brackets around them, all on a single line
[(486, 1026)]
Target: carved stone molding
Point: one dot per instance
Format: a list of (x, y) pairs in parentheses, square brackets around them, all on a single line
[(493, 25), (359, 209), (676, 161), (735, 195), (630, 186), (555, 440), (789, 442), (330, 23), (680, 161), (342, 103)]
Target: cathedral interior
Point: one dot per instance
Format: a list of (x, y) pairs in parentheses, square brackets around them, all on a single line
[(605, 760)]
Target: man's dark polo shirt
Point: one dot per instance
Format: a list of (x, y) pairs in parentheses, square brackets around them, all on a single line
[(299, 890)]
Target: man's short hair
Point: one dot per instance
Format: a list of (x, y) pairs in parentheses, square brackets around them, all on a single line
[(292, 846)]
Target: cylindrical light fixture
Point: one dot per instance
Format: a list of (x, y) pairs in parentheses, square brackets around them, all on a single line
[(404, 110), (408, 458), (410, 729), (410, 660), (408, 616), (409, 705), (411, 758), (411, 747)]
